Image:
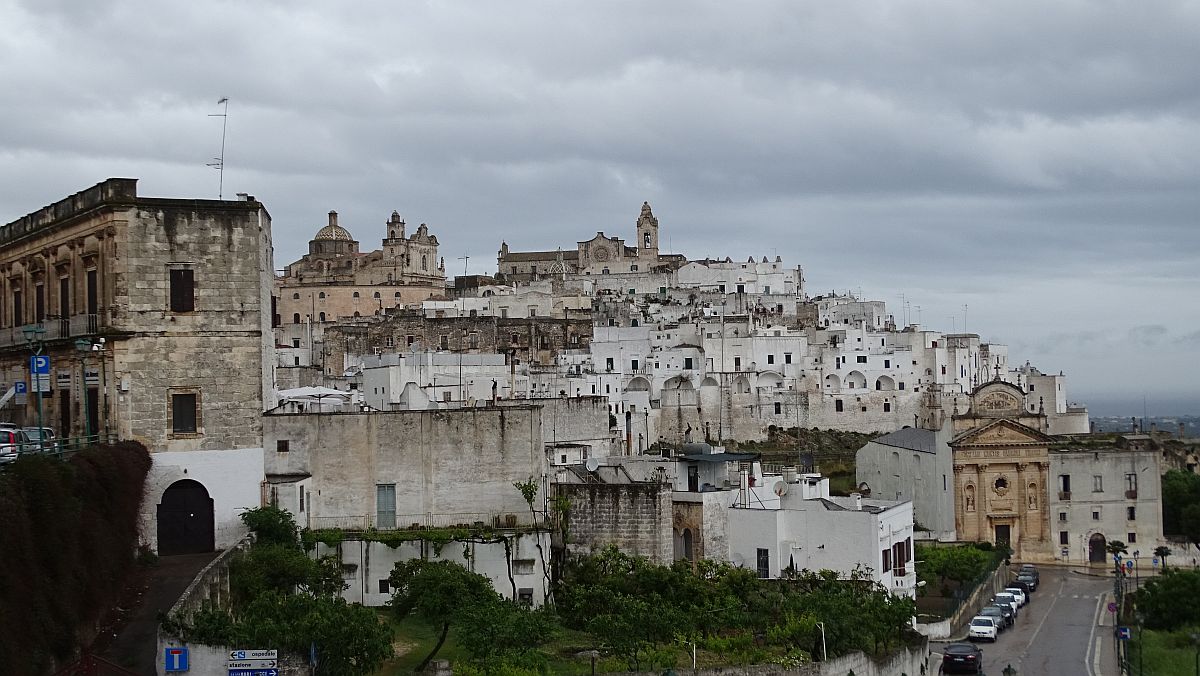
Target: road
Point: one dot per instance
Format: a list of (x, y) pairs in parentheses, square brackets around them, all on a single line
[(1059, 631)]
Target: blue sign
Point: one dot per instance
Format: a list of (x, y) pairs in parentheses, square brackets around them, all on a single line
[(175, 659), (20, 387), (1154, 562), (1123, 633), (253, 672), (1129, 565), (39, 365)]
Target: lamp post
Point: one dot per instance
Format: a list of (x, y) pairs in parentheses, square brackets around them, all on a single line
[(84, 345), (33, 337)]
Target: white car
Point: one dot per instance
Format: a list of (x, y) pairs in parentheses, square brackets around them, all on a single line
[(1019, 593), (983, 627), (1005, 597)]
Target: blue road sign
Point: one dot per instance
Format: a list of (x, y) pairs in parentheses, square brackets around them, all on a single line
[(1154, 561), (20, 387), (1123, 633), (1129, 565), (175, 659), (39, 364), (253, 672)]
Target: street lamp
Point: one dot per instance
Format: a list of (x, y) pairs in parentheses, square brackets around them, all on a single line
[(34, 334), (84, 345)]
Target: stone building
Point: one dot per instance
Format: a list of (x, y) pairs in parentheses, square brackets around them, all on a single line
[(334, 279), (1001, 468), (155, 316), (600, 255)]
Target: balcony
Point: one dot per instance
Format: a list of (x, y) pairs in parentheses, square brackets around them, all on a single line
[(1131, 494), (1064, 495), (55, 329)]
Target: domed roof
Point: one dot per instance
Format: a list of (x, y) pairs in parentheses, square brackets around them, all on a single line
[(334, 232)]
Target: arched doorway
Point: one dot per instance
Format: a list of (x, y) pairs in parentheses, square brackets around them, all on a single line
[(1096, 552), (185, 519)]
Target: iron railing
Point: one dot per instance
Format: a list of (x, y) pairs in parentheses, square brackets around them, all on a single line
[(55, 329)]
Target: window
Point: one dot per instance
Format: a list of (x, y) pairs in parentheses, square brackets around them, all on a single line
[(93, 292), (356, 294), (646, 240), (444, 341), (887, 407), (410, 339), (737, 363), (321, 295), (384, 586), (887, 560), (322, 316), (1062, 516), (1064, 483), (39, 303), (778, 408), (770, 359), (1131, 513), (522, 566), (764, 563), (633, 365), (1096, 515), (64, 297), (18, 308), (184, 413), (424, 262), (943, 370), (837, 405), (295, 317), (376, 294), (473, 340), (282, 445), (687, 363), (861, 359), (525, 596), (1131, 538), (787, 357), (295, 296), (1064, 537), (532, 312), (633, 268), (295, 342), (608, 363), (1131, 483), (901, 386), (1097, 483), (183, 290), (887, 363), (301, 498), (385, 505)]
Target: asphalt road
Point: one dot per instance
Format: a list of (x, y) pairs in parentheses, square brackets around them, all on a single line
[(1059, 632)]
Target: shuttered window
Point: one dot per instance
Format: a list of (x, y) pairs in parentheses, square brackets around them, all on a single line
[(183, 291)]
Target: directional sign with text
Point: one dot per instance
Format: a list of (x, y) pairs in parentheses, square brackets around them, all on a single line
[(244, 654), (252, 664), (1123, 633), (253, 672)]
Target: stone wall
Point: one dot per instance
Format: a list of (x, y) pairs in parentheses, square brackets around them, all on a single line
[(909, 661), (636, 517)]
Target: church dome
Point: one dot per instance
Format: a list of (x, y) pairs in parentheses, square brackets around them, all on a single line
[(334, 232)]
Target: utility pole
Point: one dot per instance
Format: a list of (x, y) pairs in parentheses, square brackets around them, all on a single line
[(218, 162)]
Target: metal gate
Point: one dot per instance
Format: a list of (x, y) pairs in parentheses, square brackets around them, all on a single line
[(185, 519)]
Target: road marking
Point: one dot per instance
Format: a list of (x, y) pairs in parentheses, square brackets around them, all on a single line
[(1093, 665)]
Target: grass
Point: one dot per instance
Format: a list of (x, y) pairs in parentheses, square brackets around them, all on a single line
[(1167, 653)]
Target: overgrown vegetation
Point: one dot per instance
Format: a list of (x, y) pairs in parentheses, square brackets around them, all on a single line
[(650, 616), (1181, 505), (951, 573), (69, 538), (285, 599), (1168, 601)]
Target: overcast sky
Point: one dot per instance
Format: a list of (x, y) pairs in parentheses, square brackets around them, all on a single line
[(1036, 162)]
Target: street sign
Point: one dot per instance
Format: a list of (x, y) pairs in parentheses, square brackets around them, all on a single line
[(244, 654), (1065, 552), (1112, 607), (252, 664), (253, 672), (175, 659), (20, 387), (1154, 562), (39, 364), (1123, 633), (1129, 565)]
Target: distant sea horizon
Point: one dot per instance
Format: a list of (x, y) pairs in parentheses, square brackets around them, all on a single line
[(1154, 405)]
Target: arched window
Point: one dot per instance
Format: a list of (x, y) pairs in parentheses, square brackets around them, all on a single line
[(296, 318), (322, 316), (376, 294), (424, 262), (295, 296), (321, 295), (397, 295), (356, 294), (356, 314)]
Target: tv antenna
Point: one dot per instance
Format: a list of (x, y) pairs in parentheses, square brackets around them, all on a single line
[(218, 162), (464, 259)]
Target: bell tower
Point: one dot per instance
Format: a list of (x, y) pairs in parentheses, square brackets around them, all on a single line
[(647, 234)]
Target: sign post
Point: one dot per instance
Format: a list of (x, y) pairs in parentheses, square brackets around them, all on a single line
[(39, 368), (175, 658), (253, 663)]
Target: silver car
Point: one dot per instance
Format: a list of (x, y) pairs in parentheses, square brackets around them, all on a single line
[(42, 438)]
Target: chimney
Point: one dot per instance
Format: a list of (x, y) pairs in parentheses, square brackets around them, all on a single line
[(333, 218)]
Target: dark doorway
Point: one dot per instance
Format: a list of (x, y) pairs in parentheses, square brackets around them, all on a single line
[(693, 478), (185, 519), (1004, 534), (64, 413), (93, 410), (1096, 549)]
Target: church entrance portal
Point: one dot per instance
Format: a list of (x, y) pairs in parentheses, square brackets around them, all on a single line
[(1096, 552)]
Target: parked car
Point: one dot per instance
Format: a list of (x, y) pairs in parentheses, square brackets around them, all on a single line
[(1022, 599), (1028, 580), (962, 658), (1029, 569), (1010, 618), (998, 614), (984, 628), (43, 438), (12, 443), (1011, 600)]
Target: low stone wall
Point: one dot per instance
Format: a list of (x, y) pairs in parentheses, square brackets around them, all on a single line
[(934, 630), (983, 593), (911, 661)]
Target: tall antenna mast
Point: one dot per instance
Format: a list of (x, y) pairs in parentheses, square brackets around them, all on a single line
[(464, 259), (218, 162)]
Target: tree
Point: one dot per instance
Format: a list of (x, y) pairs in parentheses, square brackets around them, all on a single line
[(1162, 552), (1181, 490), (440, 592), (1169, 600), (1115, 547), (271, 525)]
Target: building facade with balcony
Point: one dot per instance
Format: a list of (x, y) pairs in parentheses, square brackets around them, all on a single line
[(155, 317)]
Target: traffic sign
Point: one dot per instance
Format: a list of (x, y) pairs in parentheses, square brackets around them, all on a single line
[(1112, 607), (1154, 562), (39, 364), (20, 387), (253, 672), (1129, 565), (252, 664), (175, 658), (245, 654), (1123, 633)]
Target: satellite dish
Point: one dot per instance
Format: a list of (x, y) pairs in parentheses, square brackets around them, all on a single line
[(592, 464), (781, 488)]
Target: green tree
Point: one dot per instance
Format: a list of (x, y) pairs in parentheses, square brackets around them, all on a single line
[(271, 525), (1162, 552), (1169, 600), (1181, 490), (440, 592)]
